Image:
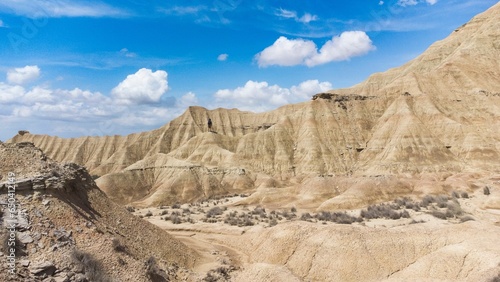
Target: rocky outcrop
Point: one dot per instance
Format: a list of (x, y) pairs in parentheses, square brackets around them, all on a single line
[(67, 229)]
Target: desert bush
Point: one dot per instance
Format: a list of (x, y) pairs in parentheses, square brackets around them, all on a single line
[(427, 200), (293, 209), (154, 272), (176, 206), (130, 209), (273, 222), (176, 219), (214, 212), (221, 273), (323, 216), (248, 222), (286, 215), (118, 246), (383, 211), (338, 217), (401, 203), (465, 195), (148, 214), (413, 206), (416, 221), (232, 221), (454, 209), (91, 267), (442, 201), (486, 190), (163, 212), (344, 218), (455, 194), (466, 218), (439, 214), (306, 216), (259, 211)]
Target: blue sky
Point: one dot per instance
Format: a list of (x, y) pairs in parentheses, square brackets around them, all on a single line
[(72, 68)]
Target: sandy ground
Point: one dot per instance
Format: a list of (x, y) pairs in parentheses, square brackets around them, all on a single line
[(217, 240)]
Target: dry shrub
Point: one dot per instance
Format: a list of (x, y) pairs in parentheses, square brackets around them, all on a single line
[(383, 211), (214, 212), (486, 190), (118, 246), (155, 273), (467, 218), (91, 267)]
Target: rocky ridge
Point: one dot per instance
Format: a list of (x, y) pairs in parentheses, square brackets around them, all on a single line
[(66, 228)]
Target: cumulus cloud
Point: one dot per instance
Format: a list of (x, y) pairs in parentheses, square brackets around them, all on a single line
[(260, 96), (23, 75), (143, 87), (222, 57), (9, 93), (291, 52), (189, 99), (77, 112), (285, 52)]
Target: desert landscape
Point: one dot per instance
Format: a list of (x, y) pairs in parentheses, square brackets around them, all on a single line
[(394, 179)]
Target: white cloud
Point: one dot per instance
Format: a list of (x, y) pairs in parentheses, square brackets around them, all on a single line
[(260, 96), (184, 10), (222, 57), (23, 75), (125, 52), (59, 8), (143, 87), (285, 52), (381, 3), (291, 52), (405, 3), (78, 112), (306, 18), (2, 24), (349, 44), (189, 99), (10, 94)]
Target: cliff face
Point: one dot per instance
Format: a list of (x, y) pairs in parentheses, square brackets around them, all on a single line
[(438, 113)]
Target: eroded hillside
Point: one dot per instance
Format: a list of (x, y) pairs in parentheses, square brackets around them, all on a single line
[(68, 230), (439, 113)]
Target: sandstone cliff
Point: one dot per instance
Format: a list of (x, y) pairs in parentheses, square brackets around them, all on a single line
[(438, 113)]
